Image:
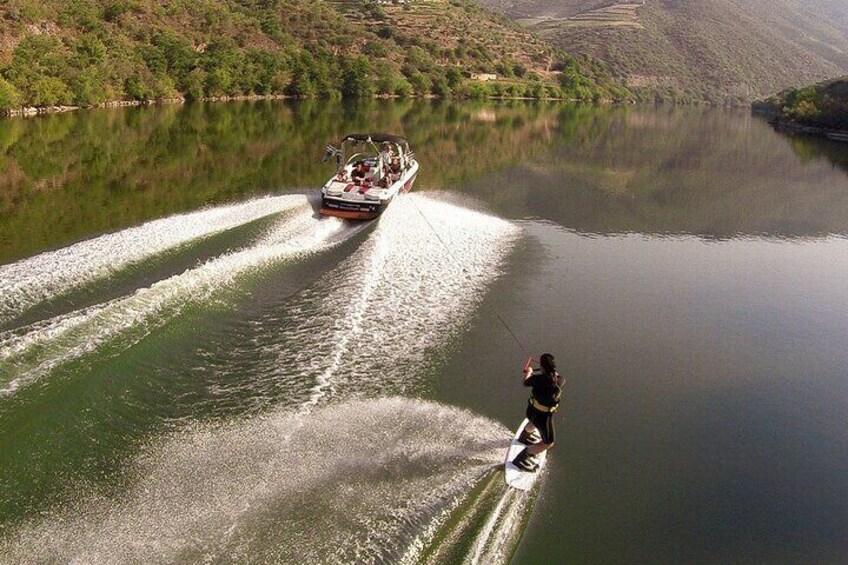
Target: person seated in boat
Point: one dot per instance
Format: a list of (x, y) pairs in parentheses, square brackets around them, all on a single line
[(395, 167), (359, 171), (391, 172)]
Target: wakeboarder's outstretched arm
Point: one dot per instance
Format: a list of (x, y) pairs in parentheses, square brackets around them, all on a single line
[(528, 369)]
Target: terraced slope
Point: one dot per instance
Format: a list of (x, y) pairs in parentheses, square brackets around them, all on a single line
[(704, 50), (618, 14), (517, 9)]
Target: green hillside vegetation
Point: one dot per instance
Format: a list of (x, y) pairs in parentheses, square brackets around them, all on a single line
[(823, 106), (87, 52), (716, 51)]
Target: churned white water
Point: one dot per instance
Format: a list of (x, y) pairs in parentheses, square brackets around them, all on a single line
[(356, 481), (331, 472), (30, 354), (403, 295), (25, 283), (405, 284)]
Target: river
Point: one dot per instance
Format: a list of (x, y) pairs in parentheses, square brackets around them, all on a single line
[(195, 367)]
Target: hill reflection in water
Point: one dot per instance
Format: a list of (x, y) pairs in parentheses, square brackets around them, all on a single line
[(711, 173), (714, 173)]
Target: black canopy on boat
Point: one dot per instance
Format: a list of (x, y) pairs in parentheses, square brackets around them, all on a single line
[(376, 138)]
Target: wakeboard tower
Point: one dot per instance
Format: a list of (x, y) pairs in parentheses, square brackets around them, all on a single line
[(515, 477)]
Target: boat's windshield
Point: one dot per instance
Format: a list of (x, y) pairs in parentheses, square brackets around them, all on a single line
[(361, 157), (368, 146)]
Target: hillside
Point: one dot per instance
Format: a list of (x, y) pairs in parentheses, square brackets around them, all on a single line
[(820, 109), (89, 52), (707, 50)]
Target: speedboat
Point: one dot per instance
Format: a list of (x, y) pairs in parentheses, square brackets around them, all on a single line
[(372, 169)]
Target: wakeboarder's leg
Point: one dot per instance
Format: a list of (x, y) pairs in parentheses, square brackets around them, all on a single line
[(530, 435)]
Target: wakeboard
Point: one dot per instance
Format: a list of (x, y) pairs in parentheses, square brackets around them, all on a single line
[(515, 477)]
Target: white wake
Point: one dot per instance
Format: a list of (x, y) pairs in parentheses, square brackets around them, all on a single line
[(396, 302), (30, 281), (29, 355), (355, 485)]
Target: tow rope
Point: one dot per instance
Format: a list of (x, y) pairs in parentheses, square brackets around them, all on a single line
[(455, 260)]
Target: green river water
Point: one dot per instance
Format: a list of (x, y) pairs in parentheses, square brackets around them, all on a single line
[(196, 367)]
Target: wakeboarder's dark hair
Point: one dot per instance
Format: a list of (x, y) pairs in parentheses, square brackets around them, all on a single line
[(548, 363)]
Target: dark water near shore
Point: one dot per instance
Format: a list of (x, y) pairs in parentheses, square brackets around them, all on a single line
[(194, 366)]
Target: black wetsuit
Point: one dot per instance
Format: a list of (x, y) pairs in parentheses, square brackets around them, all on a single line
[(547, 391)]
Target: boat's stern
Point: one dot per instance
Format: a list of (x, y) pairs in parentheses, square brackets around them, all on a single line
[(350, 210), (352, 200)]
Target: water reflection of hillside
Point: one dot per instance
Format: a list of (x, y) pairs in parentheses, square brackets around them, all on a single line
[(809, 149), (715, 173), (71, 176), (711, 173)]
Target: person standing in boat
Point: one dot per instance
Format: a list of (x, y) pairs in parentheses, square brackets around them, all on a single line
[(539, 433), (386, 157), (386, 153)]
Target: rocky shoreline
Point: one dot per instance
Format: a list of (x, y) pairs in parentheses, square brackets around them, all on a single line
[(800, 129), (35, 110)]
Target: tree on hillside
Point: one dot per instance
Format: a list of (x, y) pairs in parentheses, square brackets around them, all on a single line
[(356, 78), (9, 95), (38, 64)]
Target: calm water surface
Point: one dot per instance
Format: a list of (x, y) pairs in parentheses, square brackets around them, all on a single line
[(195, 367)]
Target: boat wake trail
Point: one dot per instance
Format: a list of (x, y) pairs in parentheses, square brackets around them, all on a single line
[(48, 275), (384, 316), (29, 353), (317, 453), (373, 481)]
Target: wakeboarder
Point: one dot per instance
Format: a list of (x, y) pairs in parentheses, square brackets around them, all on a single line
[(539, 434)]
